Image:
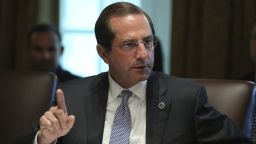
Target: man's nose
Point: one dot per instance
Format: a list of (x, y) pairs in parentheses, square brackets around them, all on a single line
[(141, 51), (46, 55)]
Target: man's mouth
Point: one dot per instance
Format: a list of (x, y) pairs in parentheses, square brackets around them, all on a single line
[(141, 67)]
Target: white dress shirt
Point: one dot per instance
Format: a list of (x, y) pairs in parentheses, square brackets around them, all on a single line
[(137, 106)]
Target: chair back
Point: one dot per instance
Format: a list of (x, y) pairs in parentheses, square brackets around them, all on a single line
[(234, 98), (24, 98)]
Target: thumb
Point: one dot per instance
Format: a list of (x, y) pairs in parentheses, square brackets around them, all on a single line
[(71, 121)]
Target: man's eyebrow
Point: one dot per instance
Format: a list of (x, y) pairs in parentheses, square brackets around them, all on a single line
[(134, 40), (128, 41), (148, 37)]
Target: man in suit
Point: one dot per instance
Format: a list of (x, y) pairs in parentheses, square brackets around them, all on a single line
[(161, 109), (45, 50)]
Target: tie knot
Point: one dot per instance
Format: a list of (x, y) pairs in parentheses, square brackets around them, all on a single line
[(125, 94)]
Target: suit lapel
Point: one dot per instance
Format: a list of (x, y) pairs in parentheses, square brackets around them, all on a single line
[(97, 115), (158, 105)]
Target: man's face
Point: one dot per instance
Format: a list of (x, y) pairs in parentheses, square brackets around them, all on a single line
[(128, 67), (44, 51)]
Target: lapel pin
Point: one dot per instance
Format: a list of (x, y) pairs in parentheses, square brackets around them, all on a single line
[(161, 105)]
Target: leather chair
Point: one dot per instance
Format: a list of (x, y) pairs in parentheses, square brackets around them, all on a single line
[(236, 99), (24, 98)]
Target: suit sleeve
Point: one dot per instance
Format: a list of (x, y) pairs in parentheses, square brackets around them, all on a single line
[(213, 127)]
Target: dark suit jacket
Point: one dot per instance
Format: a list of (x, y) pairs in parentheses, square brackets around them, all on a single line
[(186, 118), (64, 75)]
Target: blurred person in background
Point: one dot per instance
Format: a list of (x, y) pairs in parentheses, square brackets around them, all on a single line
[(45, 49)]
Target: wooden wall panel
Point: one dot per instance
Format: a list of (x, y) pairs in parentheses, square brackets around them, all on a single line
[(210, 38)]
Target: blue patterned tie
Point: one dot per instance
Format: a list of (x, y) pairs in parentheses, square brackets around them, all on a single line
[(122, 123)]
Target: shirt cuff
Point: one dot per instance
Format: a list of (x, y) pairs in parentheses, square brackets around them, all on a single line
[(35, 140)]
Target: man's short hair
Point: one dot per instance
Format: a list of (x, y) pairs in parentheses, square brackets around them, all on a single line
[(44, 28), (103, 32)]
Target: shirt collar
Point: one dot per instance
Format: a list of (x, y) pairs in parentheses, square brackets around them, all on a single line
[(138, 89)]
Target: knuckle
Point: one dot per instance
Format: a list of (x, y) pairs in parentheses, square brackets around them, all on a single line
[(42, 119), (60, 112), (55, 121), (53, 108), (47, 113)]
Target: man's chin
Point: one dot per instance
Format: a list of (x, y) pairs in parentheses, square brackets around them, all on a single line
[(145, 72), (143, 76)]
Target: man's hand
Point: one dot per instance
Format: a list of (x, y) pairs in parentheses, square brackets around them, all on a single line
[(56, 122)]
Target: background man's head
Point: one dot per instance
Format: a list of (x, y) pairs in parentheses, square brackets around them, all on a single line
[(45, 48)]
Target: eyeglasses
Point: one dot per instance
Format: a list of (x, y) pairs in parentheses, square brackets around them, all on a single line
[(149, 44)]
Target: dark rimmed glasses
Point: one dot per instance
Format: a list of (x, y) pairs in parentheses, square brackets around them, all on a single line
[(149, 44)]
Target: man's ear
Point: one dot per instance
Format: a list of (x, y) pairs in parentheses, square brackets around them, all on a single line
[(103, 53)]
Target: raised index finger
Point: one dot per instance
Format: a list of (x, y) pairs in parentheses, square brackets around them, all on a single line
[(61, 100)]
